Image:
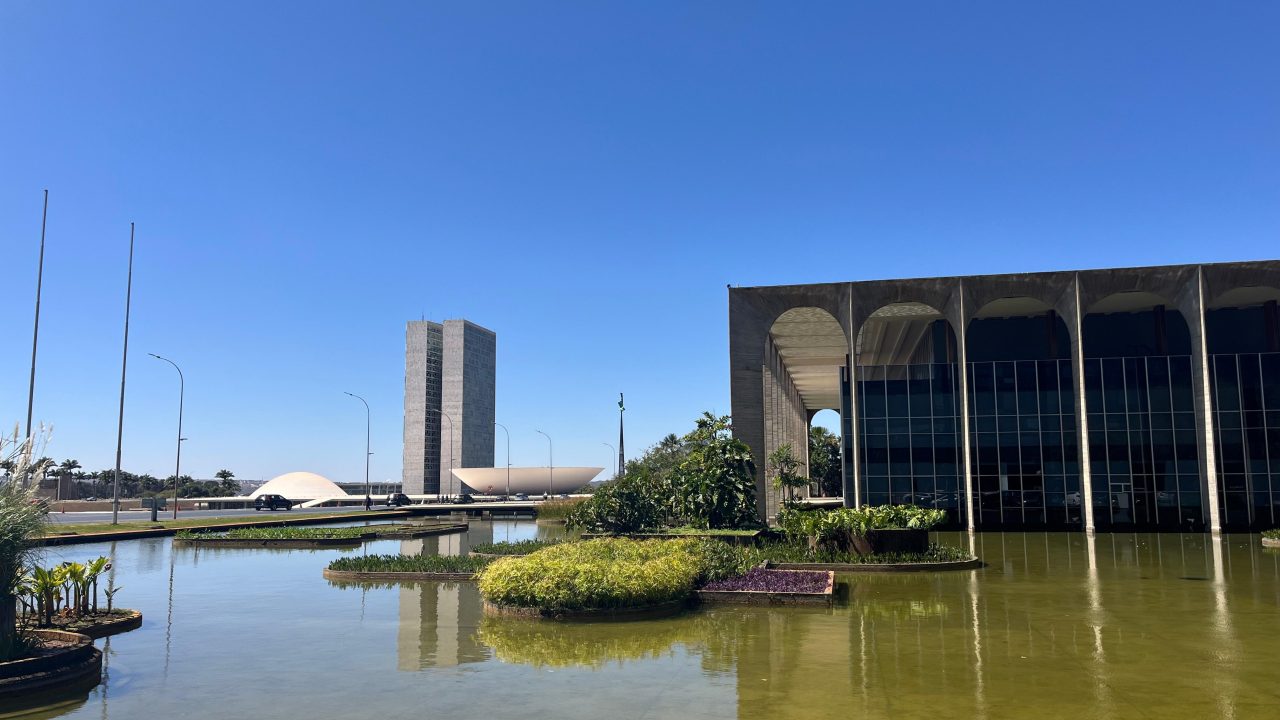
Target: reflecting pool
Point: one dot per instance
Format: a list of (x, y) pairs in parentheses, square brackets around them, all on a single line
[(1056, 626)]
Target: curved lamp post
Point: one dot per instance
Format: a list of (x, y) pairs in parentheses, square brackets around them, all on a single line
[(508, 434), (368, 497), (551, 464), (615, 458), (177, 465)]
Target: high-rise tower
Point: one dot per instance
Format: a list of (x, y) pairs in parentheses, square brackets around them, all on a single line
[(449, 402)]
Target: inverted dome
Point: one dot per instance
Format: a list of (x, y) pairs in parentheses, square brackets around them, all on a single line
[(493, 481), (300, 486)]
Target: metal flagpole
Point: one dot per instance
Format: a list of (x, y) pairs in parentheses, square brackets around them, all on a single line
[(124, 365), (35, 338), (622, 461)]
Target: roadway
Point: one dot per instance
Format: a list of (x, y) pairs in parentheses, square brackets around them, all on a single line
[(98, 516)]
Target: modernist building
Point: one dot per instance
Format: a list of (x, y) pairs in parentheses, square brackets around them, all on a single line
[(1132, 398), (449, 383)]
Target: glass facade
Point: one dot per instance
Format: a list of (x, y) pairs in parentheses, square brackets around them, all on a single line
[(1143, 453), (1246, 395), (1023, 434)]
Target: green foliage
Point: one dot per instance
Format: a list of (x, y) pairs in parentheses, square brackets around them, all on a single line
[(410, 563), (278, 533), (22, 517), (824, 461), (834, 530), (608, 573), (558, 509), (800, 552), (521, 547), (784, 470), (69, 590), (625, 505), (1271, 534), (714, 486)]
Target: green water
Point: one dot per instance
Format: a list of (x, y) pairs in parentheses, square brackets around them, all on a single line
[(1056, 626)]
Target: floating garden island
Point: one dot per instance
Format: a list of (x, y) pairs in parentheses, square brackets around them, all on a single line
[(405, 568), (511, 549), (762, 586), (1271, 538), (311, 537)]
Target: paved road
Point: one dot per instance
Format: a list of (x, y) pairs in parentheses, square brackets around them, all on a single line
[(71, 518)]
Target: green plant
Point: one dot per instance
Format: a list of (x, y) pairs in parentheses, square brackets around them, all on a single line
[(1271, 534), (714, 485), (790, 551), (558, 509), (834, 530), (824, 461), (520, 547), (278, 533), (625, 505), (607, 573), (784, 470), (22, 517), (410, 563)]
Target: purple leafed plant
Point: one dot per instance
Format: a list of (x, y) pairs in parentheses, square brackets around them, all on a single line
[(761, 580)]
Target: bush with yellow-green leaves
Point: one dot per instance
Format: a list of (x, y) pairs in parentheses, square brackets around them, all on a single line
[(609, 573)]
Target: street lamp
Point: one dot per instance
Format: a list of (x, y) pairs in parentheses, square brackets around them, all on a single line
[(551, 464), (508, 434), (367, 497), (445, 415), (177, 465), (615, 458)]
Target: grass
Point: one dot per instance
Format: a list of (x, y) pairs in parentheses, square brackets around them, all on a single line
[(522, 547), (65, 529), (279, 533), (558, 509), (1271, 534), (410, 564), (609, 573), (794, 552)]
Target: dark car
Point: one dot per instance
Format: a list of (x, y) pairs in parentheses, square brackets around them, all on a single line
[(463, 499), (398, 499), (522, 496), (272, 502)]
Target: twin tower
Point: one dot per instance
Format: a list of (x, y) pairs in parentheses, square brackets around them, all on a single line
[(450, 384)]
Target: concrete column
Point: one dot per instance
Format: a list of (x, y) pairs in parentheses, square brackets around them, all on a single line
[(1201, 390), (850, 487), (1076, 330), (970, 499)]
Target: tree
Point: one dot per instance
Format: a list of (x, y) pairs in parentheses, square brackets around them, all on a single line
[(714, 485), (784, 470), (824, 461), (22, 518), (230, 486), (68, 465)]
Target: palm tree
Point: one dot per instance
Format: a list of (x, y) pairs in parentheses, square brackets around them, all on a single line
[(22, 518)]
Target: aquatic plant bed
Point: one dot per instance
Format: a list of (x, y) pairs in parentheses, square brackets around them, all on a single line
[(1271, 538), (511, 549), (405, 568), (281, 537), (610, 575), (646, 612), (392, 532), (742, 537), (59, 534), (60, 662), (761, 586), (971, 563), (96, 625)]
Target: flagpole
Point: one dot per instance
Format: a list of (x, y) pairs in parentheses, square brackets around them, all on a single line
[(35, 338), (124, 364), (622, 462)]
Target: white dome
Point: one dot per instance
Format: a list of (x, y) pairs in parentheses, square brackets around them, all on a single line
[(300, 486)]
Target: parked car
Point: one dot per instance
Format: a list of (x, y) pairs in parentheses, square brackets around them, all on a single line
[(272, 502), (522, 496), (398, 499), (463, 499)]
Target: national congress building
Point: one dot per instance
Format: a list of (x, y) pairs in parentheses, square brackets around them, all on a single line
[(1123, 399)]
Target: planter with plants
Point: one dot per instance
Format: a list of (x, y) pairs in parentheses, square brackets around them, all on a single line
[(1271, 538), (883, 538), (510, 549), (763, 586), (278, 537), (606, 579), (65, 597), (405, 568)]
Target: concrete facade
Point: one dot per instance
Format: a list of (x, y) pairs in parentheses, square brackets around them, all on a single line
[(449, 402), (795, 350)]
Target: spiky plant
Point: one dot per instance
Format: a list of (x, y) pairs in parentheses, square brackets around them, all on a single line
[(22, 517)]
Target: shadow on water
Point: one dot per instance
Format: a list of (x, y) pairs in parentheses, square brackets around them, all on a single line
[(1055, 626)]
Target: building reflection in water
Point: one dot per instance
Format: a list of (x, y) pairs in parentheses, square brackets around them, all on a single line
[(438, 621)]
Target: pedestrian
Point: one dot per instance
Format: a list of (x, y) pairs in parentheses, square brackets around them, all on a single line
[(368, 503)]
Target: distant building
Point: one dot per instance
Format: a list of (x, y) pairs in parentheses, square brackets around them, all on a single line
[(449, 384)]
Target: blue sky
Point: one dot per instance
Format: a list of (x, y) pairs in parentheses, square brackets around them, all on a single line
[(582, 178)]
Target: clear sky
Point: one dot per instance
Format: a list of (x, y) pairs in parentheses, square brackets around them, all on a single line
[(582, 178)]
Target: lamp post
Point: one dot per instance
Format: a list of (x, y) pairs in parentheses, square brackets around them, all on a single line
[(445, 415), (124, 365), (367, 498), (508, 434), (177, 464), (551, 464), (614, 455)]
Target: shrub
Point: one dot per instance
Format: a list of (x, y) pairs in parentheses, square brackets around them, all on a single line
[(801, 552), (521, 547), (714, 485), (1271, 534), (626, 505), (608, 573), (835, 529), (410, 563), (558, 509)]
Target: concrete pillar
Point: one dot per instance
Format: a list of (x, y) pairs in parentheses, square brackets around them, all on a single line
[(848, 436), (1194, 312), (962, 351), (1076, 330)]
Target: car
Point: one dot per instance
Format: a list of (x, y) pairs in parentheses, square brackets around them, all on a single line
[(522, 496), (398, 499), (272, 502), (463, 499), (563, 496)]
